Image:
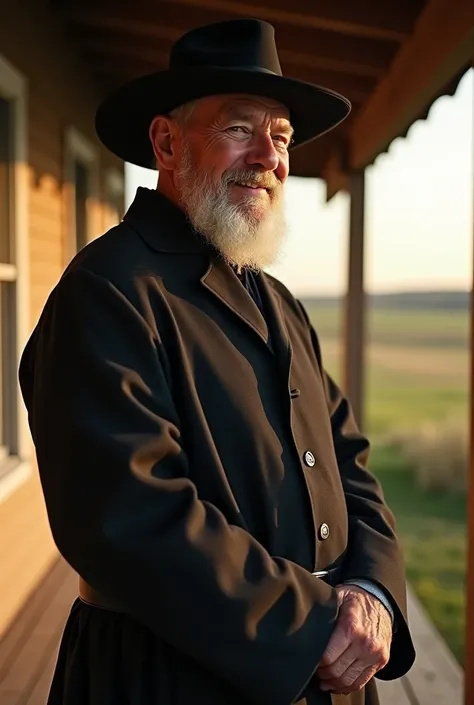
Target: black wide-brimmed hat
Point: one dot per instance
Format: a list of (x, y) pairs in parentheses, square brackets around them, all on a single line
[(237, 56)]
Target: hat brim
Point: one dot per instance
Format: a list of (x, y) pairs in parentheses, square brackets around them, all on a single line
[(122, 121)]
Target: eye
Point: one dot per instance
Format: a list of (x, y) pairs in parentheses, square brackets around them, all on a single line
[(239, 129), (283, 140)]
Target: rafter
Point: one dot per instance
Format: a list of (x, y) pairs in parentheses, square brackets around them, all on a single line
[(441, 47), (334, 171), (367, 19), (171, 22), (390, 21), (119, 40)]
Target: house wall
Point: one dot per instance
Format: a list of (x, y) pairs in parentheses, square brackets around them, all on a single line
[(60, 93)]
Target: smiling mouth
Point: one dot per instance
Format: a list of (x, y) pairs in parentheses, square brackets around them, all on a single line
[(249, 185)]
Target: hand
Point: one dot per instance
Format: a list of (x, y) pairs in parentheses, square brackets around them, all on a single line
[(360, 643)]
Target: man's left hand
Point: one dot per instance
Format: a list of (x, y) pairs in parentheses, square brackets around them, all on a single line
[(360, 643)]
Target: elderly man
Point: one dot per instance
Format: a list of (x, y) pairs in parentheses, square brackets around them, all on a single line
[(202, 473)]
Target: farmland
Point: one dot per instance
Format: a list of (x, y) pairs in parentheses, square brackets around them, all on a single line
[(417, 372)]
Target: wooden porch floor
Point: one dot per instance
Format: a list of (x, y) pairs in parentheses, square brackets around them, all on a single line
[(28, 651)]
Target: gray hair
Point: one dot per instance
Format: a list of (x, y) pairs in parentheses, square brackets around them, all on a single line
[(182, 114)]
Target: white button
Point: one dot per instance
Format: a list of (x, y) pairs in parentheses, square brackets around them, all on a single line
[(309, 459), (324, 531)]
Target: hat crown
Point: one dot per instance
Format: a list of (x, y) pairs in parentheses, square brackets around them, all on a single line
[(230, 44)]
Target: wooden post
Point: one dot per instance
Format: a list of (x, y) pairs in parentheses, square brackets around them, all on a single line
[(469, 584), (354, 328)]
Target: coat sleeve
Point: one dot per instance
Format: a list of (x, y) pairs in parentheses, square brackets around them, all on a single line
[(126, 515), (374, 551)]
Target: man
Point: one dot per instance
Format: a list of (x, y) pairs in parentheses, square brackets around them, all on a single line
[(202, 473)]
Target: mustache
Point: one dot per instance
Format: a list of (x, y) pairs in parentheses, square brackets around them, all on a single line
[(266, 180)]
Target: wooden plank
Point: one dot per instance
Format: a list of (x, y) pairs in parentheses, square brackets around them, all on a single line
[(28, 662), (392, 21), (469, 628), (29, 665), (393, 693), (355, 301), (435, 677), (440, 48), (25, 533), (334, 173), (40, 692), (54, 625), (26, 620), (120, 25)]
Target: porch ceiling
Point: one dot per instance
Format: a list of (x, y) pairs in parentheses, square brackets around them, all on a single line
[(364, 49)]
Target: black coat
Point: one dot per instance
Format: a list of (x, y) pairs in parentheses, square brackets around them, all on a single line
[(171, 441)]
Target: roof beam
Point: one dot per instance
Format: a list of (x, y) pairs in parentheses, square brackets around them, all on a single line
[(116, 40), (390, 20), (368, 56), (334, 172), (440, 48)]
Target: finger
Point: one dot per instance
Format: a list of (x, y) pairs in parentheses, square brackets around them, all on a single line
[(339, 642), (344, 677), (351, 675), (340, 665), (365, 677), (337, 688), (357, 664)]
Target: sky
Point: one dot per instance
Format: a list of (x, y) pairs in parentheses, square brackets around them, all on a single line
[(419, 212)]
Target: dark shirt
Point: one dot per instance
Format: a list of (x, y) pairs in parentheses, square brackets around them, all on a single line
[(293, 492)]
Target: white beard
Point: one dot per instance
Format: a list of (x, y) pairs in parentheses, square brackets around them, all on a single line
[(244, 234)]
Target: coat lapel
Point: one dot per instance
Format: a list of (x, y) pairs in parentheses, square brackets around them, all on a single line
[(165, 228), (223, 283)]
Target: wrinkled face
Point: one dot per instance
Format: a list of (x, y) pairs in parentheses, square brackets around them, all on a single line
[(233, 164)]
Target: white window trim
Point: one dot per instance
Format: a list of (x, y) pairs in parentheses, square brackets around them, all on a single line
[(114, 183), (77, 146), (13, 86)]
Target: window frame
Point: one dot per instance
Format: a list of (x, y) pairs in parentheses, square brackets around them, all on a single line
[(79, 148), (114, 184), (15, 463)]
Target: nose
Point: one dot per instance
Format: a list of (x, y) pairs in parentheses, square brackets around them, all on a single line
[(262, 153)]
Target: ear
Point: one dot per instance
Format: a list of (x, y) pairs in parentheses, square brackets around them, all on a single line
[(163, 135)]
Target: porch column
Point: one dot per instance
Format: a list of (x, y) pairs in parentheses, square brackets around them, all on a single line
[(469, 584), (354, 314)]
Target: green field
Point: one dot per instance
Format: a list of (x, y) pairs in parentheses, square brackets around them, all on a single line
[(432, 528), (417, 370), (414, 327), (417, 364)]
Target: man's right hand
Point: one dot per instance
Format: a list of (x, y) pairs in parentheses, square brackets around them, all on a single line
[(360, 643)]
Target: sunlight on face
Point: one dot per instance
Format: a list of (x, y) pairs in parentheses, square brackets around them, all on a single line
[(234, 163)]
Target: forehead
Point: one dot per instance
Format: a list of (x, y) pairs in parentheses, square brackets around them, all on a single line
[(246, 106)]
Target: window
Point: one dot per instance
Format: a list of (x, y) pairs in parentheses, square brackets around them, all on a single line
[(114, 198), (82, 194), (14, 298), (7, 271), (81, 171)]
